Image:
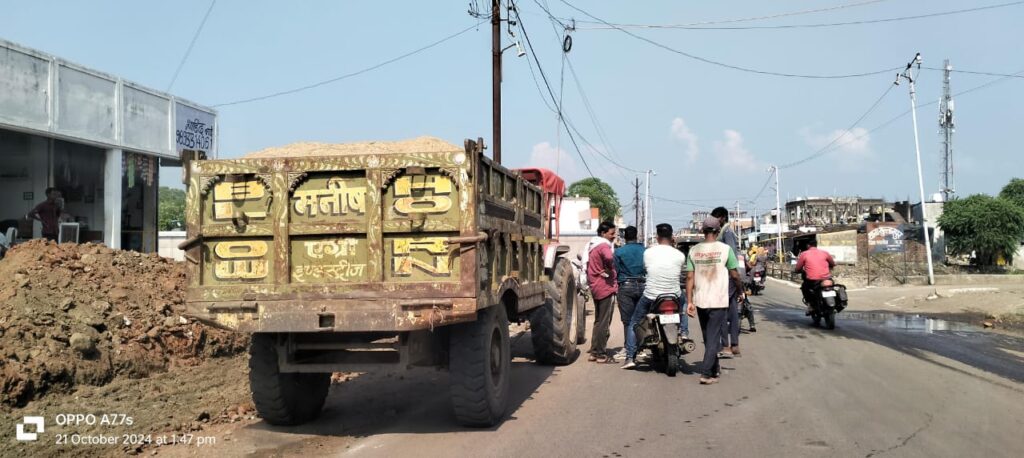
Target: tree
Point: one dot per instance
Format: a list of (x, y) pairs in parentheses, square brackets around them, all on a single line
[(601, 196), (171, 209), (1014, 192), (991, 227)]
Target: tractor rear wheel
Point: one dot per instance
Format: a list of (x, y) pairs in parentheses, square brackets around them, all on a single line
[(556, 326)]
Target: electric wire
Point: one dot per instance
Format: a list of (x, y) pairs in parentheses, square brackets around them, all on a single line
[(763, 187), (933, 102), (801, 26), (191, 44), (825, 149), (540, 69), (771, 16), (597, 123), (969, 72), (560, 37), (727, 65), (350, 74)]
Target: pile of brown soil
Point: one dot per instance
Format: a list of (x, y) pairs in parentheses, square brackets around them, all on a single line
[(73, 315), (423, 144)]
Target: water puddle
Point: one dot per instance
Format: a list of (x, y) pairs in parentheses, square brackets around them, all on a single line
[(914, 323)]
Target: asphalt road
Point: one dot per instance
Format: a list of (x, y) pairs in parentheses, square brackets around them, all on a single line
[(878, 385)]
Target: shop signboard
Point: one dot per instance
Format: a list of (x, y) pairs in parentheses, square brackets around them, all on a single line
[(194, 129), (885, 238)]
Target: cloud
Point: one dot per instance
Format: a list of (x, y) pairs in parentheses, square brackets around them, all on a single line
[(851, 147), (545, 155), (682, 133), (733, 154)]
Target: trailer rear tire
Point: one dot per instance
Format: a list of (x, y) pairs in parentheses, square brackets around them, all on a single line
[(480, 364), (281, 398), (556, 326)]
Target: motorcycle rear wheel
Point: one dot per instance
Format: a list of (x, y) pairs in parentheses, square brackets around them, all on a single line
[(830, 319), (672, 361)]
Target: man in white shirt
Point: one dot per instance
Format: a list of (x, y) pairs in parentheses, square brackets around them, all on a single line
[(712, 268), (664, 265)]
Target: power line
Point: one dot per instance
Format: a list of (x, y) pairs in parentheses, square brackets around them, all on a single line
[(1008, 75), (191, 44), (586, 100), (597, 123), (825, 149), (723, 64), (759, 18), (801, 26), (352, 74), (763, 187), (540, 69), (681, 202), (933, 102), (586, 103)]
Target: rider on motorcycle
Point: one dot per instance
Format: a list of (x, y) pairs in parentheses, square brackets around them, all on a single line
[(664, 264), (756, 262), (815, 265)]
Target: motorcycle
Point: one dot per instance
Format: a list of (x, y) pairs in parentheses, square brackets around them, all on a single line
[(827, 299), (756, 283), (659, 332)]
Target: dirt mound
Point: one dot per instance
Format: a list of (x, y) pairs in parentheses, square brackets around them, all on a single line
[(87, 315), (425, 144)]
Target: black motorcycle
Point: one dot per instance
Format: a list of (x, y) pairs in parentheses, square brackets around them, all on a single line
[(659, 332), (756, 283), (827, 298)]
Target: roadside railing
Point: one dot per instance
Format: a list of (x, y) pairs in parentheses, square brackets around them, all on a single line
[(781, 270)]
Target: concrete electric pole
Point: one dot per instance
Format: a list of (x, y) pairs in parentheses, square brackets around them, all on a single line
[(778, 213), (636, 202), (908, 75), (648, 213)]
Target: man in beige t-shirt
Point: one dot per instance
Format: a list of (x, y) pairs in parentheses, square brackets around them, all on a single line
[(711, 266)]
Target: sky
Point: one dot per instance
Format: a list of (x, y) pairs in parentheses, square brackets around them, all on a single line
[(709, 132)]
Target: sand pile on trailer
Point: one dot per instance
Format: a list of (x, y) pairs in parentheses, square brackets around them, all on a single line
[(425, 144), (73, 315)]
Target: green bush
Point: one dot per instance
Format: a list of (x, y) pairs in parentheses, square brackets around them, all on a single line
[(171, 209), (988, 226)]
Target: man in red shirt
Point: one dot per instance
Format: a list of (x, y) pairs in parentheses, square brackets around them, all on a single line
[(601, 279), (815, 265)]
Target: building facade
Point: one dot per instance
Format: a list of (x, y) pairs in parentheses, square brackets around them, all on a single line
[(95, 137), (831, 211)]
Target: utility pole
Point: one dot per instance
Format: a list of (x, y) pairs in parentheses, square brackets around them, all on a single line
[(907, 74), (648, 214), (736, 228), (778, 213), (496, 79), (636, 198), (947, 127)]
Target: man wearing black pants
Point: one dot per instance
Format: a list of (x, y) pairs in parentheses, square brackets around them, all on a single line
[(731, 333), (629, 266), (712, 268)]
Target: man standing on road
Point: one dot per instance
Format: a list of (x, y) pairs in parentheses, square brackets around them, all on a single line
[(629, 264), (731, 335), (710, 266), (601, 279), (664, 265), (815, 265)]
